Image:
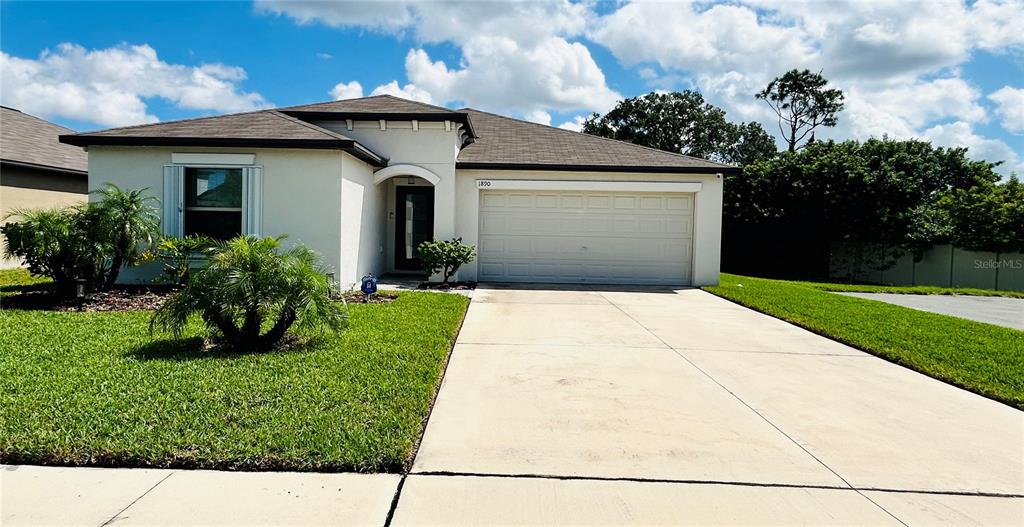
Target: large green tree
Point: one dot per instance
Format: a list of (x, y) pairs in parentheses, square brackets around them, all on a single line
[(683, 122), (802, 101), (784, 215)]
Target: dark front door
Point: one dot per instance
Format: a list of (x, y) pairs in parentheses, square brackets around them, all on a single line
[(414, 224)]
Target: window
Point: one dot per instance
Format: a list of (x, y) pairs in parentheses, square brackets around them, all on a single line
[(213, 202), (217, 201)]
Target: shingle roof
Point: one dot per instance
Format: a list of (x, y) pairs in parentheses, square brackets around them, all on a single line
[(372, 104), (253, 129), (504, 142), (500, 142), (29, 140)]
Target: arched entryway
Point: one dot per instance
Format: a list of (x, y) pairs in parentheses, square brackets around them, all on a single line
[(410, 213)]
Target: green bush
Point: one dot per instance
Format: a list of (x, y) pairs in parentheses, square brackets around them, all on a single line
[(88, 243), (177, 255), (131, 221), (445, 256), (249, 284), (62, 244)]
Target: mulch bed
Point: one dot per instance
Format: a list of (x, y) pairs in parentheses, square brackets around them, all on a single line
[(120, 298), (450, 286), (353, 297)]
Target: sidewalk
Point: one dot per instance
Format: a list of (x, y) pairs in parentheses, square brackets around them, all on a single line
[(32, 495)]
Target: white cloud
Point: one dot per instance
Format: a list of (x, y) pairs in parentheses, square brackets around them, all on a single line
[(499, 74), (324, 56), (347, 90), (901, 110), (110, 86), (576, 124), (538, 116), (516, 56), (961, 134), (1010, 107), (409, 91)]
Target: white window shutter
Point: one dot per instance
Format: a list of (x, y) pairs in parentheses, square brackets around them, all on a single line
[(253, 195), (172, 200)]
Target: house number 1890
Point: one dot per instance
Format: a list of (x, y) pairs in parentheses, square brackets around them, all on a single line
[(483, 183)]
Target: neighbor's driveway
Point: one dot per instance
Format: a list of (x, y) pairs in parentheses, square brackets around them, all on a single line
[(677, 406), (1007, 312)]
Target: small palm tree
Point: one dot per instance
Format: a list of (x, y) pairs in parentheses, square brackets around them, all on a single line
[(250, 284), (131, 220)]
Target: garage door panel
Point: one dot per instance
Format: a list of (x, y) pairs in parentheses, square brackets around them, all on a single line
[(585, 237)]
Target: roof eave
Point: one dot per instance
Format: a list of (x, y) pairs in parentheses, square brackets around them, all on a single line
[(459, 117), (37, 166), (347, 145), (725, 170)]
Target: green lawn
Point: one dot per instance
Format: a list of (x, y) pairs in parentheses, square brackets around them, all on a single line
[(97, 389), (15, 280), (982, 358)]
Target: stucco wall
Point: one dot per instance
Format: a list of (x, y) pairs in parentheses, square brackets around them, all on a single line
[(362, 222), (25, 188), (301, 191), (707, 220), (431, 147)]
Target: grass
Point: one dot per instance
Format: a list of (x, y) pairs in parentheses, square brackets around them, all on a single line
[(97, 389), (982, 358), (13, 281), (909, 290)]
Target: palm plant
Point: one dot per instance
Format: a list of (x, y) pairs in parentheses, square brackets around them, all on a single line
[(58, 243), (250, 284), (132, 220)]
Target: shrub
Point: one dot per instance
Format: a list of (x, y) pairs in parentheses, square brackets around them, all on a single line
[(177, 255), (445, 257), (89, 242), (250, 283), (131, 220), (62, 244)]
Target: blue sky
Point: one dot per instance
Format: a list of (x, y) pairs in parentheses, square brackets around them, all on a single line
[(951, 72)]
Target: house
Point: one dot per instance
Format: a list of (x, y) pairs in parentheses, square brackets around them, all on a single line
[(36, 170), (364, 181)]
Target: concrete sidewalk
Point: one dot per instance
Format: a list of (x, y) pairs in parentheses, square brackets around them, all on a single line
[(32, 495)]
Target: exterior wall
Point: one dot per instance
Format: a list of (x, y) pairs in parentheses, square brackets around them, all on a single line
[(362, 222), (301, 192), (26, 188), (707, 221), (430, 146)]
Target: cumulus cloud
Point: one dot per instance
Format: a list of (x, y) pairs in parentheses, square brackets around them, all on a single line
[(960, 133), (347, 90), (110, 86), (409, 91), (576, 124), (1010, 107), (517, 57)]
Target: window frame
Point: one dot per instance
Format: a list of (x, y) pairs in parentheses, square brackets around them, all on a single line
[(252, 198)]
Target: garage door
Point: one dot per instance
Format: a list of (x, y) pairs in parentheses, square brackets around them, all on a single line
[(585, 237)]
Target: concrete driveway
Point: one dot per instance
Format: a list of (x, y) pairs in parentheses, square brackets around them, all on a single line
[(1006, 312), (675, 406)]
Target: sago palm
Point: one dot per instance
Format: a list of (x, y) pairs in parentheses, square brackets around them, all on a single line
[(251, 293)]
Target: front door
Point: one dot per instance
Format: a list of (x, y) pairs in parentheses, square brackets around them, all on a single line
[(414, 224)]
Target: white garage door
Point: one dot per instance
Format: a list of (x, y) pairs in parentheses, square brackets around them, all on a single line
[(585, 237)]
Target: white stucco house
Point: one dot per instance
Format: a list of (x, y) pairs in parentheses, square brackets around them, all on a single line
[(363, 181)]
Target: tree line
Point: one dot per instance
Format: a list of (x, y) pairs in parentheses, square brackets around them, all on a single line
[(787, 211)]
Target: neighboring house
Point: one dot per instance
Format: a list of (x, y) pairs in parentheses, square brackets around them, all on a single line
[(36, 170), (363, 181)]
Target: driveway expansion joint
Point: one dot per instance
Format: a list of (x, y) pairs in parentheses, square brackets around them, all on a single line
[(759, 414), (136, 500)]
